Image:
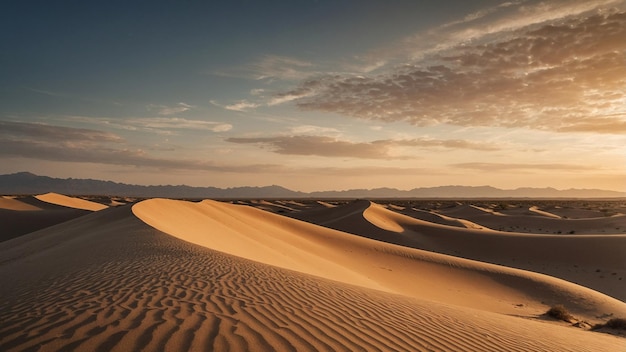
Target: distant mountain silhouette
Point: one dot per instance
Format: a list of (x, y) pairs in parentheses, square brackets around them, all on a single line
[(28, 183)]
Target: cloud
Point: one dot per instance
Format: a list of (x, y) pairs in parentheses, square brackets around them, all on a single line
[(443, 143), (169, 110), (498, 167), (272, 67), (276, 99), (369, 171), (281, 67), (46, 132), (241, 106), (71, 152), (49, 93), (174, 123), (495, 23), (123, 157), (162, 125), (316, 145), (472, 17), (54, 143), (285, 98), (332, 147), (546, 68), (311, 129)]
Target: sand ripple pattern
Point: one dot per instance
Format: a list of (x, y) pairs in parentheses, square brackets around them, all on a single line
[(128, 287)]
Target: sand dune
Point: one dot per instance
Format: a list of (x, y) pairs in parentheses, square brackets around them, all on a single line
[(70, 202), (109, 282), (22, 215), (273, 239), (595, 261), (431, 216), (14, 203), (535, 220), (536, 210), (16, 223), (577, 213)]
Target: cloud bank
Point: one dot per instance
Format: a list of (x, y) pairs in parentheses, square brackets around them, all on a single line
[(56, 143), (566, 75), (333, 147), (511, 167), (10, 130), (159, 125)]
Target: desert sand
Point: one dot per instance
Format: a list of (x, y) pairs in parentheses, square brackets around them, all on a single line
[(173, 275), (70, 202), (25, 214)]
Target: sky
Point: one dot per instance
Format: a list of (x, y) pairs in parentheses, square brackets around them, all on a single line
[(316, 95)]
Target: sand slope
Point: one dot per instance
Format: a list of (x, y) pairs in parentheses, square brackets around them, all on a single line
[(22, 215), (19, 222), (595, 261), (276, 240), (108, 282), (14, 203), (70, 202), (535, 220)]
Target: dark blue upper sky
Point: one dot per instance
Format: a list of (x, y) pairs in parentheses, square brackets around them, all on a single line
[(150, 49)]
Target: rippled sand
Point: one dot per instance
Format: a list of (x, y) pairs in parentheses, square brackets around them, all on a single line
[(176, 276)]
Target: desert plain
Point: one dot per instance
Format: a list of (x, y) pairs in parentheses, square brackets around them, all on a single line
[(123, 274)]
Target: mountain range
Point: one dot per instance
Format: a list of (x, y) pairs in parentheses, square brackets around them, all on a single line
[(28, 183)]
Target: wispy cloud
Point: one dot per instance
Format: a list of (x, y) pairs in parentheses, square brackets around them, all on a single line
[(498, 167), (442, 143), (547, 67), (65, 144), (169, 110), (176, 123), (262, 100), (472, 17), (281, 67), (49, 93), (316, 145), (56, 143), (241, 106), (67, 152), (333, 147), (369, 171), (162, 125), (311, 129), (19, 130), (272, 67)]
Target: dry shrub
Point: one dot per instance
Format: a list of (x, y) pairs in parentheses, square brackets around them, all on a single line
[(559, 312), (615, 323)]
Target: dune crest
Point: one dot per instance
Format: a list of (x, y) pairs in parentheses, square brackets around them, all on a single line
[(583, 259), (283, 242), (70, 202), (536, 210), (11, 203), (25, 214), (246, 232)]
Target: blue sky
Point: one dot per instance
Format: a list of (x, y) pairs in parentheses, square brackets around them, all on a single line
[(316, 95)]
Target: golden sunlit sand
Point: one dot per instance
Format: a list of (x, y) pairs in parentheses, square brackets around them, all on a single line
[(173, 275), (70, 202)]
